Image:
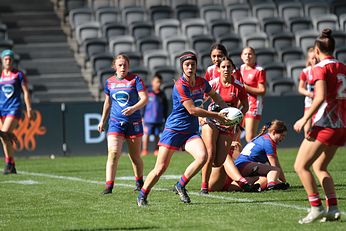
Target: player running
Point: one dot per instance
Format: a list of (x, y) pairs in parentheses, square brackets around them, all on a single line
[(254, 78), (125, 95), (328, 131), (259, 157), (218, 138), (12, 83), (306, 85), (181, 129)]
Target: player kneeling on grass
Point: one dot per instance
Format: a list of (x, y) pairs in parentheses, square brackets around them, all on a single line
[(259, 157), (182, 126)]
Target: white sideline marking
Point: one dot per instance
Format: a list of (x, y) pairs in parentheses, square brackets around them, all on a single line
[(25, 182), (162, 189)]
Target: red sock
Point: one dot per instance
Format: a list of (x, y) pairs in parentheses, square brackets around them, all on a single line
[(271, 183), (315, 200), (110, 184), (204, 185), (331, 200), (183, 181), (9, 160)]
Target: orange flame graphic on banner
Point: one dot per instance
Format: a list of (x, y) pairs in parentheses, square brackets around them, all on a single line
[(26, 131)]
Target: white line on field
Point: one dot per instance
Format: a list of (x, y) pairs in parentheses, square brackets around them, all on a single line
[(70, 178)]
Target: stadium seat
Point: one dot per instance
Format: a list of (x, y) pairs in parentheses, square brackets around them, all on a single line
[(290, 10), (338, 7), (142, 72), (204, 60), (315, 8), (339, 37), (73, 4), (265, 56), (122, 4), (274, 70), (135, 57), (112, 30), (212, 12), (273, 25), (264, 10), (96, 4), (6, 44), (225, 3), (99, 62), (168, 73), (102, 76), (256, 40), (92, 47), (148, 43), (3, 32), (247, 26), (306, 39), (290, 53), (282, 40), (86, 31), (141, 29), (134, 14), (120, 44), (236, 12), (167, 89), (281, 87), (220, 28), (342, 22), (294, 68), (177, 3), (183, 12), (107, 15), (167, 27), (340, 54), (230, 41), (325, 21), (299, 23), (153, 3), (194, 26), (80, 16), (256, 2), (201, 43), (158, 12), (234, 54), (175, 43), (202, 3), (155, 58)]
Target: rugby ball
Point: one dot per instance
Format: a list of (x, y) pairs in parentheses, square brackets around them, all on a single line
[(233, 114)]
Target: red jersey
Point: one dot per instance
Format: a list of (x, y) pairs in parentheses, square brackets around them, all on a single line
[(212, 72), (306, 76), (253, 77), (332, 112), (230, 94)]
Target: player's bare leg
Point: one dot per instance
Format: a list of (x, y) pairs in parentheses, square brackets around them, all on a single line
[(134, 146), (251, 127), (8, 125)]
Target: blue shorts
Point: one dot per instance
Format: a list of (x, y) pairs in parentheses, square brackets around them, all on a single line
[(175, 140), (125, 129), (11, 113), (153, 128)]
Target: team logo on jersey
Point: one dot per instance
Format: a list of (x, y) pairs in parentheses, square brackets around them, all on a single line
[(198, 102), (8, 90), (113, 85), (250, 76), (122, 97)]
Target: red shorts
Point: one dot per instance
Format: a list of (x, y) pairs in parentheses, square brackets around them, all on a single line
[(328, 136), (253, 115)]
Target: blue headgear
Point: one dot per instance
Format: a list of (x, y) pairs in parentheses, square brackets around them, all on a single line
[(7, 53)]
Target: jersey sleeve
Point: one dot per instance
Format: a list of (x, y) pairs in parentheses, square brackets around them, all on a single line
[(207, 76), (22, 78), (213, 83), (140, 86), (303, 76), (207, 86), (270, 147), (262, 76), (106, 89), (183, 92)]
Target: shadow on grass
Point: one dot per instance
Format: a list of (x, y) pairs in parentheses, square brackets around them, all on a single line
[(118, 228)]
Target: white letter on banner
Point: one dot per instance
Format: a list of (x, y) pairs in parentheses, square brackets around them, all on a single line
[(89, 127)]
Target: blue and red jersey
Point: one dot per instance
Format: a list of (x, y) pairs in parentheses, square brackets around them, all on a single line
[(180, 119), (10, 89), (124, 93), (257, 151), (157, 107)]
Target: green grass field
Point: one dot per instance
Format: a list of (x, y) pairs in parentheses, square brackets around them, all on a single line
[(64, 194)]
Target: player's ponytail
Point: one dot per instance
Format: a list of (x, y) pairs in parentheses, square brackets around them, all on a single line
[(325, 42), (276, 125)]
